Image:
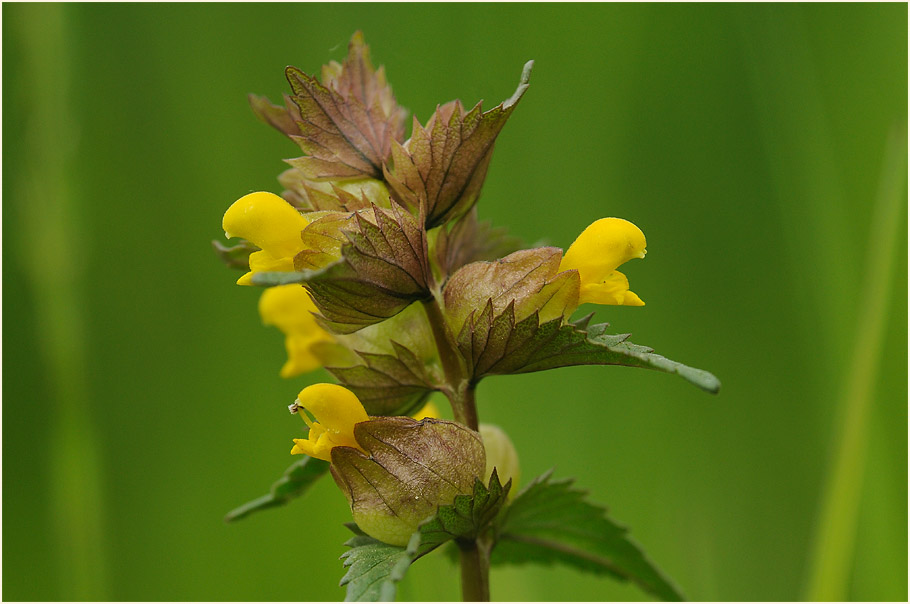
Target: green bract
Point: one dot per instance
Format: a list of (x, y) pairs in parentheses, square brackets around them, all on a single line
[(411, 469)]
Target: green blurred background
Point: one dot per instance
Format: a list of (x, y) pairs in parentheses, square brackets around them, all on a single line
[(141, 397)]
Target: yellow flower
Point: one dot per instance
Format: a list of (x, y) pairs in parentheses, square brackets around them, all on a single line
[(597, 252), (290, 309), (271, 223), (394, 471), (336, 410)]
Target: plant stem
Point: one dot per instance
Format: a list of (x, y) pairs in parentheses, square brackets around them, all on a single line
[(452, 363), (469, 408), (475, 571), (458, 388), (475, 554)]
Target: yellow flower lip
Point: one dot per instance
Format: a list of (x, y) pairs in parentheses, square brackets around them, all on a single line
[(266, 220), (597, 252), (272, 224), (290, 309), (336, 411)]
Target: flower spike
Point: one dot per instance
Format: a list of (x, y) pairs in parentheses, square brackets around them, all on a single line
[(376, 268)]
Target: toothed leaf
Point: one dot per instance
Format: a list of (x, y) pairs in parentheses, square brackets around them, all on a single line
[(344, 124), (382, 270), (296, 480), (394, 366), (374, 567), (468, 517), (551, 522), (527, 281), (386, 384), (439, 172), (501, 345), (338, 196)]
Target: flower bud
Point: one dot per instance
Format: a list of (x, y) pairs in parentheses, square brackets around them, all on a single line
[(501, 454), (597, 252)]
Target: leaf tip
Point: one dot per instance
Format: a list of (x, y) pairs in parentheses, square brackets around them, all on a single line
[(523, 84), (526, 72), (710, 383)]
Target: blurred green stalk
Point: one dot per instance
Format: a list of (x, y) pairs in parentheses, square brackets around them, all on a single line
[(833, 553), (50, 246)]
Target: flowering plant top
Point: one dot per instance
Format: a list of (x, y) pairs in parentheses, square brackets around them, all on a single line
[(376, 268)]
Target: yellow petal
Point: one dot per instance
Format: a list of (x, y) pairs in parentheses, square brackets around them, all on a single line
[(300, 354), (602, 247), (289, 308), (263, 261), (429, 410), (316, 430), (322, 447), (322, 439), (632, 299), (597, 252), (333, 406), (319, 447), (337, 410), (266, 220), (302, 446), (613, 290)]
